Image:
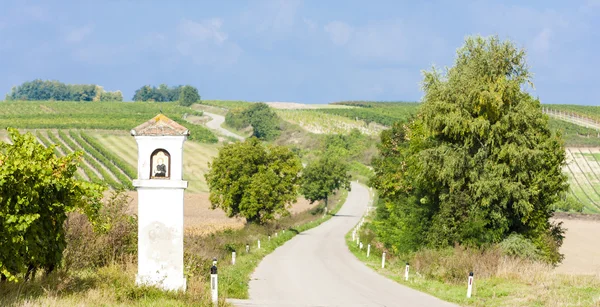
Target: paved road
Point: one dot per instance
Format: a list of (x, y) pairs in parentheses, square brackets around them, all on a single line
[(316, 268), (216, 122)]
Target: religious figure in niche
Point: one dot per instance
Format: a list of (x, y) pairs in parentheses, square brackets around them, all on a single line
[(160, 164), (161, 169)]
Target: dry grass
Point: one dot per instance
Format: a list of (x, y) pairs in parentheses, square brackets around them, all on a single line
[(499, 280)]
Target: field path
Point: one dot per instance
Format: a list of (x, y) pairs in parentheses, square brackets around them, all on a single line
[(215, 124), (316, 268)]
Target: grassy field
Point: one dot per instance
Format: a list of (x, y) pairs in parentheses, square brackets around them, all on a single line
[(574, 135), (500, 281)]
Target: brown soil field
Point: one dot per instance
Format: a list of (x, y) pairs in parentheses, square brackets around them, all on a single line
[(580, 247), (200, 219)]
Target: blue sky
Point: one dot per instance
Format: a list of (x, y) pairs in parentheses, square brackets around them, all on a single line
[(312, 51)]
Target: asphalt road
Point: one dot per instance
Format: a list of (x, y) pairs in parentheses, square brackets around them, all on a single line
[(316, 268), (216, 122)]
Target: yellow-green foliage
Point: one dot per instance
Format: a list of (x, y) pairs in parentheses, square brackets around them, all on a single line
[(37, 190)]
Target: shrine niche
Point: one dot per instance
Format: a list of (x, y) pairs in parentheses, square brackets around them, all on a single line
[(161, 164)]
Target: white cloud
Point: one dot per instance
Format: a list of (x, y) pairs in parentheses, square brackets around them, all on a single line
[(277, 16), (541, 42), (380, 40), (207, 30), (79, 34), (312, 25), (338, 31), (206, 43), (33, 11)]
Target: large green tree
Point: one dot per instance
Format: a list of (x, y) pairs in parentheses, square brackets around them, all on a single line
[(249, 180), (189, 95), (323, 176), (478, 163), (37, 190)]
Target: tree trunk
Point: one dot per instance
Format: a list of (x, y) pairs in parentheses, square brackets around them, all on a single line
[(29, 269)]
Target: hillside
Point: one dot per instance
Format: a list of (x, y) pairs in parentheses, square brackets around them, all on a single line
[(95, 115), (100, 130)]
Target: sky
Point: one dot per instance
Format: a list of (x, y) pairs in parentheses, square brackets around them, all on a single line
[(312, 51)]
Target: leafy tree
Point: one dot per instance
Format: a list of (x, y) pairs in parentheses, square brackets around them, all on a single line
[(189, 96), (251, 181), (478, 163), (37, 190), (323, 176), (161, 94), (236, 118), (264, 121), (144, 93)]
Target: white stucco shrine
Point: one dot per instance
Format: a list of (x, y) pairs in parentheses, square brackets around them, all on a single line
[(160, 188)]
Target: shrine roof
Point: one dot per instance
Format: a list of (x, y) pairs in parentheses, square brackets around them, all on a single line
[(160, 125)]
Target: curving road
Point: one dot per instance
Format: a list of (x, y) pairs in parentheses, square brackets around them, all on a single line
[(316, 268), (216, 122)]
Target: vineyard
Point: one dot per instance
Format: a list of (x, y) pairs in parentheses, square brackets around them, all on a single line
[(111, 156), (316, 121), (587, 112), (384, 113), (583, 169), (96, 115)]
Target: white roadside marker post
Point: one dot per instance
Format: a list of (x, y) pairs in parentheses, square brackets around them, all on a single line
[(214, 283), (383, 260), (406, 272), (247, 248), (275, 235), (368, 250), (357, 240), (258, 243), (269, 238), (233, 258), (470, 286), (360, 245)]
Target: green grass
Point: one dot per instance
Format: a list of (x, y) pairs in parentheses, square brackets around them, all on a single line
[(95, 115), (574, 135), (527, 286)]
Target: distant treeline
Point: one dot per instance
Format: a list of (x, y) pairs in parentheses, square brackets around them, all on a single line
[(164, 93), (55, 90)]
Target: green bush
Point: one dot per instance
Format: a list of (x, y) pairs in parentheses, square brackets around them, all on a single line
[(519, 246)]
